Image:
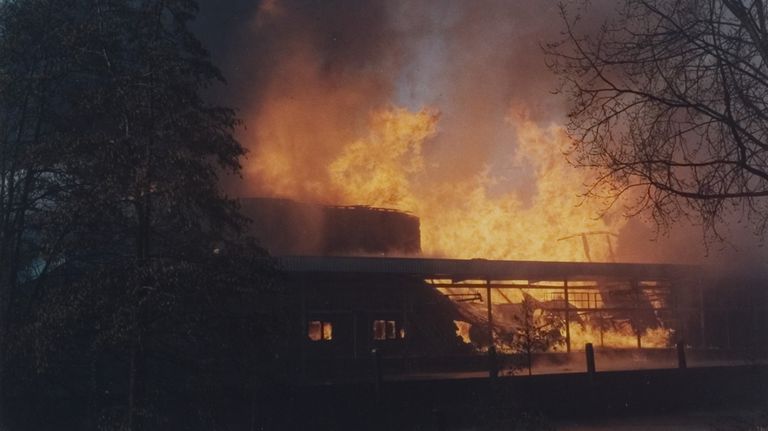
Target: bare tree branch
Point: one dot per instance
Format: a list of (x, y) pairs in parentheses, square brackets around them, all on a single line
[(671, 97)]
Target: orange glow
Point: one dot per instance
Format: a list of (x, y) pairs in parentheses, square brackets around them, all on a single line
[(476, 224), (462, 330), (319, 331), (621, 337), (586, 328), (310, 150), (387, 167), (324, 133)]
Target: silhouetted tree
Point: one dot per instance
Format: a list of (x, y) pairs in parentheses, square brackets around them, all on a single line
[(120, 255), (536, 330), (668, 99), (209, 330), (31, 58)]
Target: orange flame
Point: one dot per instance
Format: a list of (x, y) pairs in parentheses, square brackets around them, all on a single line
[(621, 337), (388, 168)]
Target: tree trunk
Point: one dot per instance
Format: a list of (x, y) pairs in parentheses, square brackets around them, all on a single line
[(132, 386), (142, 255), (3, 420), (529, 355), (134, 380)]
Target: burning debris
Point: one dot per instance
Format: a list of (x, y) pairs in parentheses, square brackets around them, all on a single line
[(632, 322)]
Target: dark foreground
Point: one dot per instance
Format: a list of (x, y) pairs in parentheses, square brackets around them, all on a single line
[(523, 402)]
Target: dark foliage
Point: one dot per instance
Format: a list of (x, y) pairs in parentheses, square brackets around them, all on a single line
[(128, 298), (197, 339)]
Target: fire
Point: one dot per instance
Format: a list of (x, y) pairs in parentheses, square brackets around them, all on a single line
[(378, 169), (389, 167), (619, 337), (597, 326), (462, 330), (323, 128), (388, 163), (477, 224), (300, 128)]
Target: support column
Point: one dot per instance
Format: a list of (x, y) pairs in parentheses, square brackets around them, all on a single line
[(377, 374), (354, 335), (681, 362), (404, 329), (728, 343), (636, 312), (602, 324), (702, 314), (493, 370), (304, 330), (589, 350), (567, 317)]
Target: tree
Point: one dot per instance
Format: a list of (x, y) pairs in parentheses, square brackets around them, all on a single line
[(668, 99), (536, 330), (29, 58), (208, 327), (112, 222)]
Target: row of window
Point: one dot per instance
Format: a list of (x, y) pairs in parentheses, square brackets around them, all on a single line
[(320, 330)]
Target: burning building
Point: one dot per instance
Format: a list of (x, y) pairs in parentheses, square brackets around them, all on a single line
[(362, 284), (414, 107)]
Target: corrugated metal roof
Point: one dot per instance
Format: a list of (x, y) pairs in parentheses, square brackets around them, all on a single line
[(482, 268)]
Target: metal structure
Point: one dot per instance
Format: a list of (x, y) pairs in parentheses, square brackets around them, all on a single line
[(390, 303)]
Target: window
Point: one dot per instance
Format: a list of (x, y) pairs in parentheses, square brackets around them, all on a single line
[(319, 330), (586, 299), (386, 330), (577, 299)]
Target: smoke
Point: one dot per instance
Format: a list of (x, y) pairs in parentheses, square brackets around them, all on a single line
[(314, 71), (739, 250), (454, 97), (303, 75)]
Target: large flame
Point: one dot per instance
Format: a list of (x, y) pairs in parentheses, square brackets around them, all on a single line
[(387, 167)]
